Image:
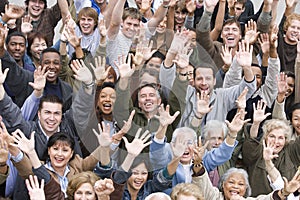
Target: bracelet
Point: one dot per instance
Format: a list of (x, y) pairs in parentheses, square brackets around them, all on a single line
[(166, 6), (181, 74), (198, 117), (197, 164), (231, 136), (64, 41), (87, 86)]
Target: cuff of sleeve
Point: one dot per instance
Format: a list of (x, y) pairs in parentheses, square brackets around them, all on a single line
[(42, 173), (159, 141), (18, 158), (166, 174)]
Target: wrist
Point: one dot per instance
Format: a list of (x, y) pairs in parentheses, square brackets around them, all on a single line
[(232, 135), (3, 164), (284, 192), (165, 6), (198, 116), (88, 85)]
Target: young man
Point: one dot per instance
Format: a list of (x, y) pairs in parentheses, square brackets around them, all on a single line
[(120, 40)]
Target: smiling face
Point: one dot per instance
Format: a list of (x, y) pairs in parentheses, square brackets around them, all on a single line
[(231, 35), (35, 8), (148, 99), (107, 99), (290, 86), (292, 32), (60, 154), (130, 27), (215, 139), (296, 121), (51, 60), (50, 116), (204, 80), (234, 185), (276, 137), (188, 153), (138, 177), (87, 25), (85, 192), (37, 46), (16, 47)]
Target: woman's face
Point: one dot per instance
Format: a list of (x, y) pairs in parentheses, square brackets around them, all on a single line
[(85, 192), (138, 178), (60, 154), (106, 101), (296, 121), (234, 185), (277, 138), (161, 28), (37, 46), (290, 86)]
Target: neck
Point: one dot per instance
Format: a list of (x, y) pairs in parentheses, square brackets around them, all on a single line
[(133, 193), (36, 62), (289, 42), (20, 63), (108, 117), (60, 171)]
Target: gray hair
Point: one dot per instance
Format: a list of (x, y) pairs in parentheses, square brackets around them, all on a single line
[(158, 196), (231, 171), (273, 124), (184, 130), (214, 125)]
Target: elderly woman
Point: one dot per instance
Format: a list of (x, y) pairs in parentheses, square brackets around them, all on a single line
[(275, 132), (185, 191)]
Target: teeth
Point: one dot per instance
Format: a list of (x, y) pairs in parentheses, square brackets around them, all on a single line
[(148, 104)]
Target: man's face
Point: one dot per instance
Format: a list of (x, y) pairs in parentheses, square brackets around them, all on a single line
[(231, 35), (292, 32), (148, 99), (192, 39), (154, 63), (130, 27), (51, 60), (87, 25), (35, 8), (16, 47), (258, 75), (204, 80), (50, 117), (238, 9), (215, 139)]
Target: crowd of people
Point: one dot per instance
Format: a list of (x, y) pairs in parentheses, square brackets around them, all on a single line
[(149, 99)]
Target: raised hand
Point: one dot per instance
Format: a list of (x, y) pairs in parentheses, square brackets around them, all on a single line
[(3, 74), (102, 28), (268, 153), (183, 56), (81, 72), (99, 68), (292, 185), (191, 6), (203, 104), (179, 41), (145, 6), (3, 34), (22, 142), (4, 135), (274, 36), (282, 83), (244, 54), (104, 188), (26, 26), (251, 33), (13, 11), (226, 56), (138, 144), (259, 111), (36, 191), (237, 123), (179, 146), (39, 79), (126, 127), (71, 37), (199, 152), (103, 136), (125, 69), (164, 116), (210, 5), (241, 100), (264, 43)]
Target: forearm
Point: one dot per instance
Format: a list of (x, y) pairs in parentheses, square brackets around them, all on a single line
[(158, 16), (34, 159), (2, 92), (168, 63), (123, 83), (172, 166), (273, 52), (231, 138), (105, 156), (161, 132), (128, 162), (254, 129), (117, 13), (219, 21), (248, 74), (63, 48), (79, 52), (297, 77), (64, 9), (271, 170), (265, 58)]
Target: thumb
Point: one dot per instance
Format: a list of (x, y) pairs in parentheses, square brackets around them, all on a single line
[(125, 140)]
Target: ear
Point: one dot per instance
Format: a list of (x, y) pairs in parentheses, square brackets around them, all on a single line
[(215, 81), (39, 114)]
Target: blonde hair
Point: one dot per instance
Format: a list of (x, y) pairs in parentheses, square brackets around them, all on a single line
[(289, 19), (187, 189), (79, 179), (273, 124)]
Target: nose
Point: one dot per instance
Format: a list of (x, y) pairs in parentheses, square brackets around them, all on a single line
[(107, 98), (51, 117)]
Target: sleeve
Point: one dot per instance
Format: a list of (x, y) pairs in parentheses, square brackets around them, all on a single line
[(42, 173), (30, 107), (161, 181), (233, 75), (189, 22), (278, 110), (53, 14), (167, 75), (278, 184), (269, 88), (160, 155), (218, 156), (264, 22), (24, 167)]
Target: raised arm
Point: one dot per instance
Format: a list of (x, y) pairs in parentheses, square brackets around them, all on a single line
[(116, 20), (258, 116), (158, 16), (215, 33)]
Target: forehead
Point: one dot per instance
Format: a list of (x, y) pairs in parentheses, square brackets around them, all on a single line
[(147, 90), (192, 34), (204, 71), (231, 25), (34, 1), (290, 80), (216, 133), (39, 40), (51, 56), (237, 176), (155, 60), (131, 20), (61, 144), (108, 90), (51, 106), (295, 22), (296, 112), (278, 132), (86, 17), (17, 39), (140, 167), (256, 70)]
